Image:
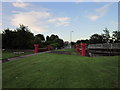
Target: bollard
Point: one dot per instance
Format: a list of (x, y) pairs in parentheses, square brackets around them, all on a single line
[(77, 48), (49, 47), (36, 48), (83, 51)]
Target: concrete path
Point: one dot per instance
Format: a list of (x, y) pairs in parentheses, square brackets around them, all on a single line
[(14, 58)]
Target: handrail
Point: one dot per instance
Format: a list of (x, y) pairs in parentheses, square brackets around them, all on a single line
[(104, 46)]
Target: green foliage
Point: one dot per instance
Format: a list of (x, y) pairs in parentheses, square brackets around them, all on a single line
[(116, 36), (55, 41), (96, 38), (73, 44), (66, 43), (82, 41), (40, 36), (54, 45), (53, 37), (20, 38), (106, 35), (37, 40), (7, 37), (47, 38)]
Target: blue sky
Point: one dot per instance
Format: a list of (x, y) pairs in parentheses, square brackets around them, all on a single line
[(84, 18)]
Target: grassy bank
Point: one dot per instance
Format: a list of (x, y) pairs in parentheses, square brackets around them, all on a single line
[(61, 71)]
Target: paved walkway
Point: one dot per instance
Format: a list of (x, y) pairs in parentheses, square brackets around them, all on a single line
[(14, 58)]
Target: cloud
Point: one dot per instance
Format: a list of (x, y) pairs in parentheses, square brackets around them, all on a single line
[(37, 21), (33, 19), (60, 21), (103, 10), (93, 17), (20, 4), (99, 12)]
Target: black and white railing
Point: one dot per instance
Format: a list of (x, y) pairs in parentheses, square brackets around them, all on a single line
[(104, 46)]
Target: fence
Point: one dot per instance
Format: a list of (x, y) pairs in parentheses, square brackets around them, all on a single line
[(104, 46), (104, 49)]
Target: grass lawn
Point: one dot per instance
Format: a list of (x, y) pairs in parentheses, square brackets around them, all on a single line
[(61, 71), (9, 54), (73, 51)]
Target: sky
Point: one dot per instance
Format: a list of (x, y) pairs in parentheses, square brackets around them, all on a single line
[(60, 18)]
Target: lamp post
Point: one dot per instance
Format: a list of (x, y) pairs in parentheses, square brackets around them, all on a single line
[(70, 38)]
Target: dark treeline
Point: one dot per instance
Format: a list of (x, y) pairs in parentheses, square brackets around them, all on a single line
[(22, 38), (102, 38)]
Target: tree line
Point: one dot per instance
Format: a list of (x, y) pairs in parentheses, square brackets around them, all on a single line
[(102, 38), (22, 38)]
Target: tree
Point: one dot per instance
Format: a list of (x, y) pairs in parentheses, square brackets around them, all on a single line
[(73, 44), (7, 38), (116, 36), (83, 41), (41, 40), (47, 38), (60, 43), (54, 45), (53, 37), (55, 41), (21, 38), (41, 36), (24, 38), (106, 35), (66, 43), (96, 38), (37, 40)]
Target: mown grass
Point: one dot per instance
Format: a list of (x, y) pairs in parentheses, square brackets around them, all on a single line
[(67, 49), (9, 54), (73, 51), (61, 71)]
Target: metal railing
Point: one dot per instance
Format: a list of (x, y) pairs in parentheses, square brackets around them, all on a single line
[(104, 46)]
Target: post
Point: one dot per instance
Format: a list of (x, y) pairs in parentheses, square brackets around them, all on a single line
[(71, 39), (49, 47), (77, 48), (83, 51), (36, 48)]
